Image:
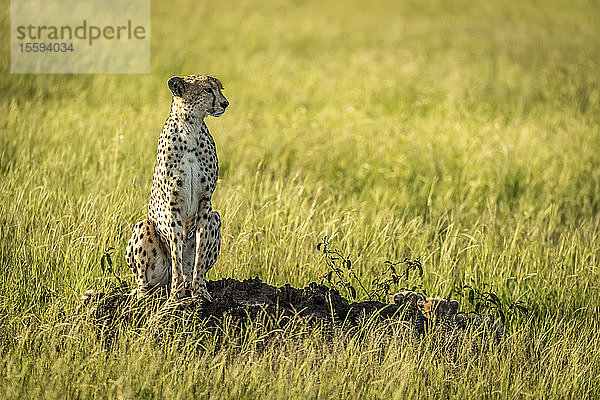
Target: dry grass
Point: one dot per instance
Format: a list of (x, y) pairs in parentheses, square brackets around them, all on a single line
[(464, 134)]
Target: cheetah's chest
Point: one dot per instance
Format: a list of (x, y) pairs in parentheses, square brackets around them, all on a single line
[(197, 185)]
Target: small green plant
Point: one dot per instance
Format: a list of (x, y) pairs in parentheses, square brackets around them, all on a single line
[(340, 272), (341, 275), (395, 273), (485, 302), (106, 265)]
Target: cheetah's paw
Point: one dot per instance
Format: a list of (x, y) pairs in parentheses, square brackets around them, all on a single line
[(199, 291)]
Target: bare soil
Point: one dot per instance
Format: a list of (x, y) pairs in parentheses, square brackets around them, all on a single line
[(254, 300), (249, 299)]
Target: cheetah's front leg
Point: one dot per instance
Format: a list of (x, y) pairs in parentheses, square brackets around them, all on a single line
[(176, 239), (208, 244)]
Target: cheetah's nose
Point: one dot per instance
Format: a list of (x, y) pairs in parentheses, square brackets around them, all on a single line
[(224, 104)]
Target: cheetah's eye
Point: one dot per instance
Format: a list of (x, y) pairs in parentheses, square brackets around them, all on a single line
[(208, 90)]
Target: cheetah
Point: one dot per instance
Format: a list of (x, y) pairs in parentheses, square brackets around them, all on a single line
[(181, 238), (429, 312)]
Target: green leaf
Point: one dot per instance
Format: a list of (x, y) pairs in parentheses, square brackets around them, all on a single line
[(522, 309), (495, 299), (502, 317)]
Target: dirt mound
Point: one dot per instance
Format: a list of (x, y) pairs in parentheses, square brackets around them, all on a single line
[(253, 299)]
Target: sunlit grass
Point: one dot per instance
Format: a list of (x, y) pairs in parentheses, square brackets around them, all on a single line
[(464, 134)]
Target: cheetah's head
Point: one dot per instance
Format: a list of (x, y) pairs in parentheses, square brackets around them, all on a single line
[(438, 307), (198, 94)]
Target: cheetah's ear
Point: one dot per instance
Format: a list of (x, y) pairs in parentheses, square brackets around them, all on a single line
[(177, 85)]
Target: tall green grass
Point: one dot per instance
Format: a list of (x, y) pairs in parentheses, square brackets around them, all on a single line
[(464, 134)]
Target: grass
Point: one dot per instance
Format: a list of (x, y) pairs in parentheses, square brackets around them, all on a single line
[(464, 134)]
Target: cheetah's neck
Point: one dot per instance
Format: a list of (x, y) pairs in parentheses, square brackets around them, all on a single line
[(185, 125)]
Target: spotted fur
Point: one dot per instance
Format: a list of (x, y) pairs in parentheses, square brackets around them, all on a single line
[(180, 240), (428, 313)]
